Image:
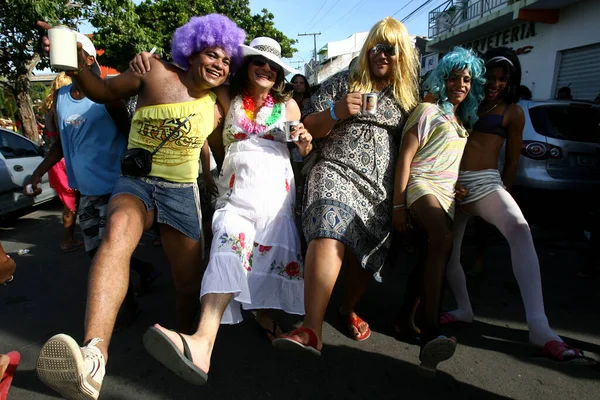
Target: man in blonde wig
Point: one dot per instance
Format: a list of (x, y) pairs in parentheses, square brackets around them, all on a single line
[(348, 202)]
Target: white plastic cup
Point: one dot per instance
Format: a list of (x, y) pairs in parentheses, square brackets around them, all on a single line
[(290, 126), (63, 48)]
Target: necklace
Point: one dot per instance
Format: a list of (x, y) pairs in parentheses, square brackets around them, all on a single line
[(258, 122), (494, 106)]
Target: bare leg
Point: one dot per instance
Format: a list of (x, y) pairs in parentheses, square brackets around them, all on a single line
[(322, 267), (455, 273), (69, 218), (109, 274), (202, 342), (185, 258), (7, 266), (432, 218), (406, 323), (357, 281)]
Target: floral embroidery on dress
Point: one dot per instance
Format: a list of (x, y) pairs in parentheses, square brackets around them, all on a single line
[(231, 183), (238, 245), (262, 249), (293, 270)]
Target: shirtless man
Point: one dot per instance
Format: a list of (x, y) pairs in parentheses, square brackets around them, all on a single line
[(175, 107)]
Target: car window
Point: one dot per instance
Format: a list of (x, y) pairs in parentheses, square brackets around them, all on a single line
[(577, 123), (13, 146)]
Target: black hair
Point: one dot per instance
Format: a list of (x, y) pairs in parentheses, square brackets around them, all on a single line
[(512, 68), (239, 83), (525, 93), (307, 91)]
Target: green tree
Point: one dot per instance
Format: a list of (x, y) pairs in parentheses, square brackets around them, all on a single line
[(129, 30), (20, 52)]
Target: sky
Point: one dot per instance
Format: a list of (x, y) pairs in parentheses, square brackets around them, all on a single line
[(335, 19)]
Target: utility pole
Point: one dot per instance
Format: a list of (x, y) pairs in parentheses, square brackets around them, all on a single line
[(314, 35)]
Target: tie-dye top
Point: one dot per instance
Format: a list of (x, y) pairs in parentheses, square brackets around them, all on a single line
[(435, 166)]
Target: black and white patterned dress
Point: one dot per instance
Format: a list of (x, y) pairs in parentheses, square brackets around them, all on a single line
[(349, 191)]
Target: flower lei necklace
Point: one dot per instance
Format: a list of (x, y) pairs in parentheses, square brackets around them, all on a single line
[(252, 122)]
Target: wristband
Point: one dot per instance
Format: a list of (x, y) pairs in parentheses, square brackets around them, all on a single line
[(399, 206), (332, 111), (73, 73)]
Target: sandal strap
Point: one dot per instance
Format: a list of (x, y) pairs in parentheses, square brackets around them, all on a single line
[(557, 349), (186, 349), (313, 340)]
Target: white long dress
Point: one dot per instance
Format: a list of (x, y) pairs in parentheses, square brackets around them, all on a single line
[(255, 252)]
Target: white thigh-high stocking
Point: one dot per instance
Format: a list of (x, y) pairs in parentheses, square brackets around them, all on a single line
[(454, 272), (502, 211)]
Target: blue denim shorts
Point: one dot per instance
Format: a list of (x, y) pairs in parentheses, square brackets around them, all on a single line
[(176, 204)]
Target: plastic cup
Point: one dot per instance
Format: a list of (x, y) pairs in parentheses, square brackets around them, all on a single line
[(290, 126), (63, 48)]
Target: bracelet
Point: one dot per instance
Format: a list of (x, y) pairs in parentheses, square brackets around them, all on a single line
[(74, 72), (399, 206), (332, 111)]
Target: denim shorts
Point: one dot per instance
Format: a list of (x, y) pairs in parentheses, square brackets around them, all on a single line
[(176, 204)]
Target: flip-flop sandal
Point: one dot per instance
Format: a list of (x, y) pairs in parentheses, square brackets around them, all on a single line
[(554, 351), (164, 350), (7, 378), (9, 280), (293, 343), (434, 352), (271, 333), (354, 322), (407, 337), (448, 319)]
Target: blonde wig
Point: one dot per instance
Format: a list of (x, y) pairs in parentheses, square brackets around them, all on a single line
[(406, 69), (61, 80)]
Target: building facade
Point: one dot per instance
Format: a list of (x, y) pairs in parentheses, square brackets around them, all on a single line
[(557, 41)]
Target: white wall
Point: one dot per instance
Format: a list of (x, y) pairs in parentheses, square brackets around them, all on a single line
[(578, 25)]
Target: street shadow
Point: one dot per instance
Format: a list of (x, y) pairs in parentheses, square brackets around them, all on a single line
[(246, 366)]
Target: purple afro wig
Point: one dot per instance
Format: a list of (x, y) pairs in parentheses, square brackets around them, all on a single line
[(208, 31)]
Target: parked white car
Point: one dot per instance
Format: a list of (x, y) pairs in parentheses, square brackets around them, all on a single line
[(561, 146), (19, 157)]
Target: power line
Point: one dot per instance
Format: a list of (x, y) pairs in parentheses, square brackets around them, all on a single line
[(328, 11), (318, 11), (342, 18), (314, 35), (409, 16), (403, 7)]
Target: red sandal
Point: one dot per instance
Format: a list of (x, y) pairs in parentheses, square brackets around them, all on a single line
[(294, 343), (7, 378), (555, 350), (354, 322)]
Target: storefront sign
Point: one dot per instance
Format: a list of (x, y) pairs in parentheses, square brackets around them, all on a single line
[(505, 38)]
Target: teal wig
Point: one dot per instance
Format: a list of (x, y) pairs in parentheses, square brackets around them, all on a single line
[(459, 59)]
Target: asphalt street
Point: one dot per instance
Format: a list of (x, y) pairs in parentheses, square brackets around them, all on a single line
[(493, 360)]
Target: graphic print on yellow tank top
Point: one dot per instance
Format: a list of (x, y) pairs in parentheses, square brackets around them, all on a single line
[(177, 160)]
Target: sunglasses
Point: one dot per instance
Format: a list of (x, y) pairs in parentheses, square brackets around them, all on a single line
[(261, 61), (389, 51)]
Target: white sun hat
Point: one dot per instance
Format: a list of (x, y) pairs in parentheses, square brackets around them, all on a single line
[(268, 48)]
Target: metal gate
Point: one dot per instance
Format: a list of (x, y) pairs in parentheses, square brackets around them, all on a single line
[(580, 70)]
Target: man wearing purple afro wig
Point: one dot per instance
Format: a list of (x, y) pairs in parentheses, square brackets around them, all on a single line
[(176, 112)]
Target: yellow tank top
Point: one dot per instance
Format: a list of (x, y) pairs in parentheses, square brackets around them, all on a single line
[(177, 160)]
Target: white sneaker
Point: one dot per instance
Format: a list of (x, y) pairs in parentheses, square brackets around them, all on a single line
[(75, 372)]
